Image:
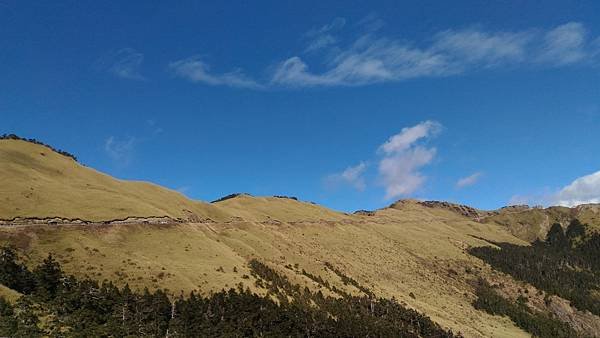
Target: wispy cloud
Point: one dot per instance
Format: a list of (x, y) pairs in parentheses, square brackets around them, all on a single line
[(565, 44), (153, 126), (324, 36), (352, 176), (124, 63), (120, 150), (195, 69), (468, 180), (368, 60), (373, 58), (464, 48), (403, 158), (368, 57)]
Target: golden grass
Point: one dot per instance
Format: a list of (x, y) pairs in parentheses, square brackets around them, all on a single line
[(395, 253), (9, 294), (37, 182), (408, 249)]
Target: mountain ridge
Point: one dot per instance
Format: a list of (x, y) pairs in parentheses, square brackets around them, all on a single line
[(412, 251)]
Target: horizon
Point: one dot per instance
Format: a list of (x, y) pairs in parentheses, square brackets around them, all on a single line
[(351, 107)]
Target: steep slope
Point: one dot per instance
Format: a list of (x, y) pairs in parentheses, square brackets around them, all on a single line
[(36, 182)]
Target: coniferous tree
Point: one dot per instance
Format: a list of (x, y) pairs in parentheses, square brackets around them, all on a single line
[(48, 277), (8, 324), (13, 274), (575, 231), (556, 237)]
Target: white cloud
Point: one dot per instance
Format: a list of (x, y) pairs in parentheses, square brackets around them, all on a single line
[(469, 180), (124, 63), (368, 60), (585, 189), (400, 173), (196, 70), (565, 44), (372, 59), (399, 169), (120, 150), (352, 176), (319, 38), (409, 135), (475, 46), (369, 57)]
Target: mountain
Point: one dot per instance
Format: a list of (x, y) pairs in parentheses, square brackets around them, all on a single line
[(38, 182), (525, 222), (146, 236)]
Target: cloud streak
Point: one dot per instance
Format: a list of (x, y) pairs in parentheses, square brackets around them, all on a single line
[(124, 63), (196, 70), (352, 176), (469, 180), (374, 59), (120, 150), (369, 57)]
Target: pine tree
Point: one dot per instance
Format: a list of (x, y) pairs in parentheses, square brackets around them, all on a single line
[(13, 274), (48, 276), (575, 231), (8, 323), (556, 237)]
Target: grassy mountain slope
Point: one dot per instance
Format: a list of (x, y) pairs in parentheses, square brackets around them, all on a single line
[(38, 182), (264, 209), (410, 251), (396, 253), (533, 223)]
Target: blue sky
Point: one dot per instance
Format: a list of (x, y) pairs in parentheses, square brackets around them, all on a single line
[(349, 105)]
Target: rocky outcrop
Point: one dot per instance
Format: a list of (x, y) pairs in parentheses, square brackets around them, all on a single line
[(19, 221), (464, 210), (364, 213), (230, 196), (286, 197)]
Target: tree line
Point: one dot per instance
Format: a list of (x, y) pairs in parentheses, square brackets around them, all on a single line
[(57, 305), (566, 264), (32, 140), (538, 324)]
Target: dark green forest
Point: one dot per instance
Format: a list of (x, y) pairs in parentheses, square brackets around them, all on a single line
[(538, 324), (566, 264), (57, 305)]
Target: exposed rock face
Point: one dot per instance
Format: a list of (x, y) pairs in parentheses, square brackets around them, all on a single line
[(364, 212), (464, 210), (286, 197), (65, 221), (581, 321), (224, 198), (515, 208)]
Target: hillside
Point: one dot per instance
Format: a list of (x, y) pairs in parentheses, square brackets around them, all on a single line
[(533, 223), (40, 183), (524, 222), (414, 252)]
